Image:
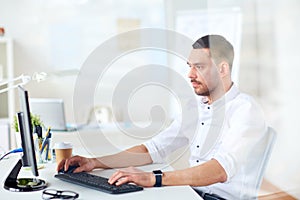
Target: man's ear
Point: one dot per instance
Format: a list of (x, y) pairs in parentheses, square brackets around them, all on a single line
[(224, 69)]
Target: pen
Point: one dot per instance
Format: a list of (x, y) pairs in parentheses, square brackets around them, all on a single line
[(47, 150), (48, 131), (39, 132), (48, 135), (48, 146)]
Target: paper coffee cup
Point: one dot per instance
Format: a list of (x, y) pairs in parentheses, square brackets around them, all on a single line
[(63, 150)]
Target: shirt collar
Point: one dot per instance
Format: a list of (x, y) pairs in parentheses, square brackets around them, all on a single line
[(229, 95)]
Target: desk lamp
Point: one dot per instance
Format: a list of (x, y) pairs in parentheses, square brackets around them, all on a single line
[(22, 80)]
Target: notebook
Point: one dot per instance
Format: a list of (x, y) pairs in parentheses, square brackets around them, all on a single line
[(51, 112)]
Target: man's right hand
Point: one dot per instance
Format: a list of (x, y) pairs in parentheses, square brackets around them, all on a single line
[(83, 163)]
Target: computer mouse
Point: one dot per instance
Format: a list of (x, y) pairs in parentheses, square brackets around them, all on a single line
[(70, 169)]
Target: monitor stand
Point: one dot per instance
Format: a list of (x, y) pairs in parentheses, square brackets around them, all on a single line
[(15, 184)]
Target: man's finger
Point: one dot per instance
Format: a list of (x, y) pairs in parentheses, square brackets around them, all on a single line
[(60, 165), (116, 176), (123, 180)]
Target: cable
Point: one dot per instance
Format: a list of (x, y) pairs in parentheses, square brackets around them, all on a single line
[(12, 151)]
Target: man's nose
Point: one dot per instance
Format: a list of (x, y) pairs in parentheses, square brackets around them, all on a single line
[(192, 73)]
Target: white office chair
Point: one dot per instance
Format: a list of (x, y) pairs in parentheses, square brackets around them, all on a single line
[(268, 143)]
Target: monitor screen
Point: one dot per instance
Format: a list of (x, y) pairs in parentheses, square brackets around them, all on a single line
[(26, 131)]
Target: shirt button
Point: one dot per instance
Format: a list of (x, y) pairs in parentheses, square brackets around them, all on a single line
[(208, 107), (197, 161), (202, 123), (197, 146)]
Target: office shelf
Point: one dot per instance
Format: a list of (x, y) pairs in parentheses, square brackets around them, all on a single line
[(7, 100)]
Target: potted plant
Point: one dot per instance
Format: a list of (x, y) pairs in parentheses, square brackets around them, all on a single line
[(36, 123)]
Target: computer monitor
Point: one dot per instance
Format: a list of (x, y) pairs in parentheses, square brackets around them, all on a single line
[(12, 182)]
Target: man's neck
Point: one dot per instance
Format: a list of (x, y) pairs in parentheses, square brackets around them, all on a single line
[(219, 92)]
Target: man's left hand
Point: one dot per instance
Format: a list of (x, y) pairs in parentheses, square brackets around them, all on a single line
[(133, 175)]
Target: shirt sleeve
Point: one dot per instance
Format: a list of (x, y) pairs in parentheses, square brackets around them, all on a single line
[(246, 128), (167, 141)]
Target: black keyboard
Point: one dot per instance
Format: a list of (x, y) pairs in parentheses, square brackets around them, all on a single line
[(96, 182)]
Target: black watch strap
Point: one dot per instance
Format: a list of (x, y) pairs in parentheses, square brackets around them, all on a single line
[(158, 178)]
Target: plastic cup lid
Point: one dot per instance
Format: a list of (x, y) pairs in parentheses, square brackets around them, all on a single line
[(62, 145)]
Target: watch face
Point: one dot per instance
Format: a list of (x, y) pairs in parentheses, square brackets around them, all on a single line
[(157, 172)]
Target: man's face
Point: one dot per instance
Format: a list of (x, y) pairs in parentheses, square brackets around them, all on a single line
[(203, 72)]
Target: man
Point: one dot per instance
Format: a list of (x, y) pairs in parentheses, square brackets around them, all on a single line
[(222, 161)]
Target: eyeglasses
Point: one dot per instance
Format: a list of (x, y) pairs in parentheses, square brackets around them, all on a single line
[(57, 194)]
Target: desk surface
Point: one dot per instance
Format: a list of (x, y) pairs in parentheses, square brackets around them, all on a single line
[(47, 173), (90, 148)]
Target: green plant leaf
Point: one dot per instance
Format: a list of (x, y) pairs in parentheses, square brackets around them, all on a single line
[(35, 121)]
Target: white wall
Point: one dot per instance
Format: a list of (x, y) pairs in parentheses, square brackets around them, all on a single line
[(57, 37)]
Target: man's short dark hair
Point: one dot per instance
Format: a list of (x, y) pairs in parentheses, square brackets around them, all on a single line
[(220, 49)]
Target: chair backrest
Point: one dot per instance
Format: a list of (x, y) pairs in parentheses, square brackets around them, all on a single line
[(269, 141)]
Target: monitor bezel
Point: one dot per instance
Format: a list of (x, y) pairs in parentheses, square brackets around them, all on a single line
[(29, 156)]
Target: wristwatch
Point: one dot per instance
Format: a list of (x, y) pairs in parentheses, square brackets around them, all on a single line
[(158, 178)]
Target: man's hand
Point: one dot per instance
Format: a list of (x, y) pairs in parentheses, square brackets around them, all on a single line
[(133, 175), (84, 164)]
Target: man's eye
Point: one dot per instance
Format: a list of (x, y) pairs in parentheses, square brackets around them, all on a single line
[(199, 66)]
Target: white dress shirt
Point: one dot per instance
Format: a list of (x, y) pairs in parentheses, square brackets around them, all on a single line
[(229, 130)]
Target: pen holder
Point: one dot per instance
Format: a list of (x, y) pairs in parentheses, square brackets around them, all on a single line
[(37, 146), (43, 150)]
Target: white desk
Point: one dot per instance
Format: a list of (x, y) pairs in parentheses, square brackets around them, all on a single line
[(101, 144), (47, 173)]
